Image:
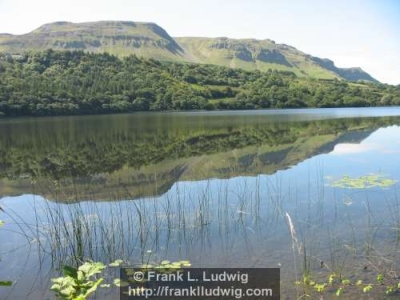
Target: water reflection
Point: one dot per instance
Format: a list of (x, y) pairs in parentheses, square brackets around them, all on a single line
[(97, 158), (218, 196)]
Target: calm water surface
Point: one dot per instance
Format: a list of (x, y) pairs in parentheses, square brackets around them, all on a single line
[(215, 188)]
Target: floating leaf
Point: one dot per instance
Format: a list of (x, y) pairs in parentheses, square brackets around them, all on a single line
[(5, 283), (320, 287), (379, 278), (146, 266), (390, 289), (367, 289), (363, 182), (1, 223), (346, 282), (331, 278), (130, 271), (116, 263), (119, 283)]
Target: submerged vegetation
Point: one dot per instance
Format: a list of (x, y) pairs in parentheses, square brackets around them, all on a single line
[(71, 83)]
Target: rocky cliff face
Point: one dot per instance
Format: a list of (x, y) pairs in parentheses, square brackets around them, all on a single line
[(352, 74)]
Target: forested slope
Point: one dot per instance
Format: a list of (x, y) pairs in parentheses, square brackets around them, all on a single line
[(68, 83)]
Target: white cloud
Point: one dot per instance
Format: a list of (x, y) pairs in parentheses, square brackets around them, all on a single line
[(347, 149), (343, 149)]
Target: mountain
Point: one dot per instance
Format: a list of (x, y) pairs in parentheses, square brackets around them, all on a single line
[(149, 40), (116, 37)]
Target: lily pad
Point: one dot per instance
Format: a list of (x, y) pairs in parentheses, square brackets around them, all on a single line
[(146, 266), (363, 182), (119, 283), (116, 263)]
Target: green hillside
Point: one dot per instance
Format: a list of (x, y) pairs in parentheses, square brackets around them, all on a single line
[(148, 40), (251, 54)]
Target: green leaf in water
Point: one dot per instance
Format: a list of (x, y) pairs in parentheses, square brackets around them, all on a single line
[(320, 287), (116, 263), (146, 266), (363, 182), (5, 283), (367, 288), (130, 271), (379, 278), (119, 283), (346, 282)]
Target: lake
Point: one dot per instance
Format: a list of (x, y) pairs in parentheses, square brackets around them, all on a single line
[(312, 192)]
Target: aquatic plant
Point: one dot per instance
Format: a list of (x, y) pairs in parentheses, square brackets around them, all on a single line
[(339, 285), (4, 283), (363, 182), (80, 283)]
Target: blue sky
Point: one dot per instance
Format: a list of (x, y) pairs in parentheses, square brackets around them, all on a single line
[(363, 33)]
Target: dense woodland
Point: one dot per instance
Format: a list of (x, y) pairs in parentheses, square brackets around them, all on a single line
[(71, 83)]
